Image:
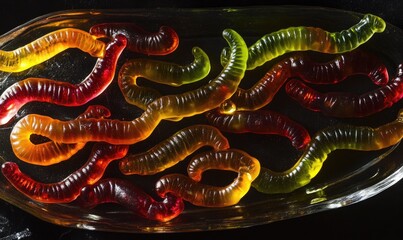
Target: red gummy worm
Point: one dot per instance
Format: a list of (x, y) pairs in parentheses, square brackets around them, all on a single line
[(163, 42), (63, 93), (131, 197), (261, 122), (69, 188), (301, 65), (345, 105)]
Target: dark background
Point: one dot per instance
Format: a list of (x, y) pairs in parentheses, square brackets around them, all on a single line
[(380, 217)]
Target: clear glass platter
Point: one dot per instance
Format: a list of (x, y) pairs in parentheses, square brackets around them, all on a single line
[(347, 177)]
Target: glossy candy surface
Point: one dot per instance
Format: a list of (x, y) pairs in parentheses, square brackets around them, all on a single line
[(159, 146)]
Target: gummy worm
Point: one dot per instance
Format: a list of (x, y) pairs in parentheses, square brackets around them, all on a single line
[(116, 131), (163, 42), (131, 197), (199, 194), (69, 188), (343, 105), (56, 152), (63, 93), (325, 141), (160, 72), (48, 46), (300, 65), (172, 150), (304, 38), (261, 122)]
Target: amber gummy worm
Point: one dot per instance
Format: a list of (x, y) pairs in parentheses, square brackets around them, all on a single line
[(172, 150), (69, 188), (305, 38), (199, 194), (48, 46), (301, 65), (50, 152), (112, 131), (360, 138), (125, 193), (59, 92), (163, 42), (346, 104)]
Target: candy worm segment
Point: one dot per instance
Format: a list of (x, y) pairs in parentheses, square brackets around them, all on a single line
[(302, 66), (172, 150), (199, 194), (261, 122), (129, 132), (69, 188), (50, 152), (305, 38), (360, 138), (131, 197), (63, 93), (163, 42), (48, 46), (161, 72), (348, 105)]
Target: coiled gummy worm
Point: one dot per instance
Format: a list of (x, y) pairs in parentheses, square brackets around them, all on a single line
[(200, 194), (163, 42), (161, 72), (172, 150), (300, 65), (116, 131), (261, 122), (305, 38), (50, 152), (63, 93), (327, 140), (69, 188), (348, 105), (125, 193), (48, 46)]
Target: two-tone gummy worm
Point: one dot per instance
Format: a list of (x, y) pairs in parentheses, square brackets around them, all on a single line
[(199, 194), (300, 65), (59, 92), (69, 188), (48, 46), (161, 72), (305, 38), (172, 150), (360, 138), (116, 131)]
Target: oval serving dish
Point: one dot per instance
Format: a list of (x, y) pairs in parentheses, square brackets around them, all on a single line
[(346, 177)]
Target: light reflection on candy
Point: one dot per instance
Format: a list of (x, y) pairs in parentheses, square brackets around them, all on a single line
[(48, 46)]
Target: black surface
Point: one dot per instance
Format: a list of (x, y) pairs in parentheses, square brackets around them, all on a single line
[(379, 217)]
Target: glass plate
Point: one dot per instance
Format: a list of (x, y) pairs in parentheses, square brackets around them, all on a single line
[(347, 177)]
